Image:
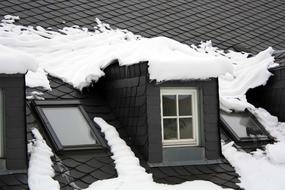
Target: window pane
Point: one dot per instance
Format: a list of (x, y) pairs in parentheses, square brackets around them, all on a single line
[(169, 105), (242, 124), (185, 105), (170, 129), (186, 128), (70, 126), (1, 126)]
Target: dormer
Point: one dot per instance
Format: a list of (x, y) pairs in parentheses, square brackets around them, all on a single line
[(172, 122), (13, 144), (13, 151)]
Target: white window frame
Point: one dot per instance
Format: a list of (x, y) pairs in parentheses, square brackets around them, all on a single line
[(181, 91)]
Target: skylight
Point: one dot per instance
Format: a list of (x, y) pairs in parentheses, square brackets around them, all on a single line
[(68, 125), (243, 127)]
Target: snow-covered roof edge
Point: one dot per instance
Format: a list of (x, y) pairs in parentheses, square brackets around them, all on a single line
[(78, 56)]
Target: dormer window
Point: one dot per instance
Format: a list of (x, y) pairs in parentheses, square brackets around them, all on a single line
[(179, 117), (68, 125)]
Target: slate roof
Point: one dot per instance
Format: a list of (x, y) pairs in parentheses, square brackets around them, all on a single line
[(248, 25), (75, 169), (221, 174), (14, 181), (85, 167)]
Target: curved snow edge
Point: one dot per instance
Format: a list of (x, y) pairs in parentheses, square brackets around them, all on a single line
[(40, 170)]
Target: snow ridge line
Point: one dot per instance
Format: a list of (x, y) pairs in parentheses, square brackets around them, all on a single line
[(40, 170), (127, 164)]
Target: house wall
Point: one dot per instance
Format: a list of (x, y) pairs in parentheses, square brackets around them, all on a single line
[(125, 90), (271, 96), (13, 88), (136, 103)]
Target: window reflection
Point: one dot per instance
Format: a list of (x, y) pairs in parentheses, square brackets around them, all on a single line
[(242, 124), (70, 126)]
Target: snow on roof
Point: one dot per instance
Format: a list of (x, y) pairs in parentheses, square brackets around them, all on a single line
[(40, 164), (14, 61), (79, 56), (249, 72), (130, 174)]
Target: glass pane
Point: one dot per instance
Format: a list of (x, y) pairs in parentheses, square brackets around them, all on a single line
[(242, 124), (1, 126), (169, 105), (170, 129), (186, 128), (70, 126), (185, 105)]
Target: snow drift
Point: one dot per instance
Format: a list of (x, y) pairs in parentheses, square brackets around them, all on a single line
[(40, 171), (13, 61), (79, 56)]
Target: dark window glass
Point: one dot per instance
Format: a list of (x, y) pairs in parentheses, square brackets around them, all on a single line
[(243, 125), (185, 105), (169, 105), (70, 126), (170, 129), (186, 128)]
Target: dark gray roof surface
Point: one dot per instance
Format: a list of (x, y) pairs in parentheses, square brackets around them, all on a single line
[(76, 168), (14, 181), (221, 174), (248, 25), (85, 167)]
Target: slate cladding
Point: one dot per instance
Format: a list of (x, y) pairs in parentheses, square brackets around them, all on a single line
[(248, 25), (13, 93), (14, 181), (221, 174), (12, 88), (79, 169), (76, 168), (84, 167), (273, 94), (136, 103), (125, 90)]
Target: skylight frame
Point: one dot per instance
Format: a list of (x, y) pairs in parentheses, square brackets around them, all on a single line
[(238, 139), (39, 104)]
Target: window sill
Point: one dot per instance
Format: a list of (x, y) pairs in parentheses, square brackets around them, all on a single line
[(185, 163), (180, 143)]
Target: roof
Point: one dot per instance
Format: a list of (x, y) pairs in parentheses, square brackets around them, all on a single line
[(247, 25), (79, 167), (250, 25), (221, 174), (83, 168), (14, 181)]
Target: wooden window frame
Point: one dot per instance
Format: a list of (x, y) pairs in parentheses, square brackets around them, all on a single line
[(195, 117)]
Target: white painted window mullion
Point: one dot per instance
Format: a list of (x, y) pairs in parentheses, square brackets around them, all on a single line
[(177, 114), (194, 116)]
